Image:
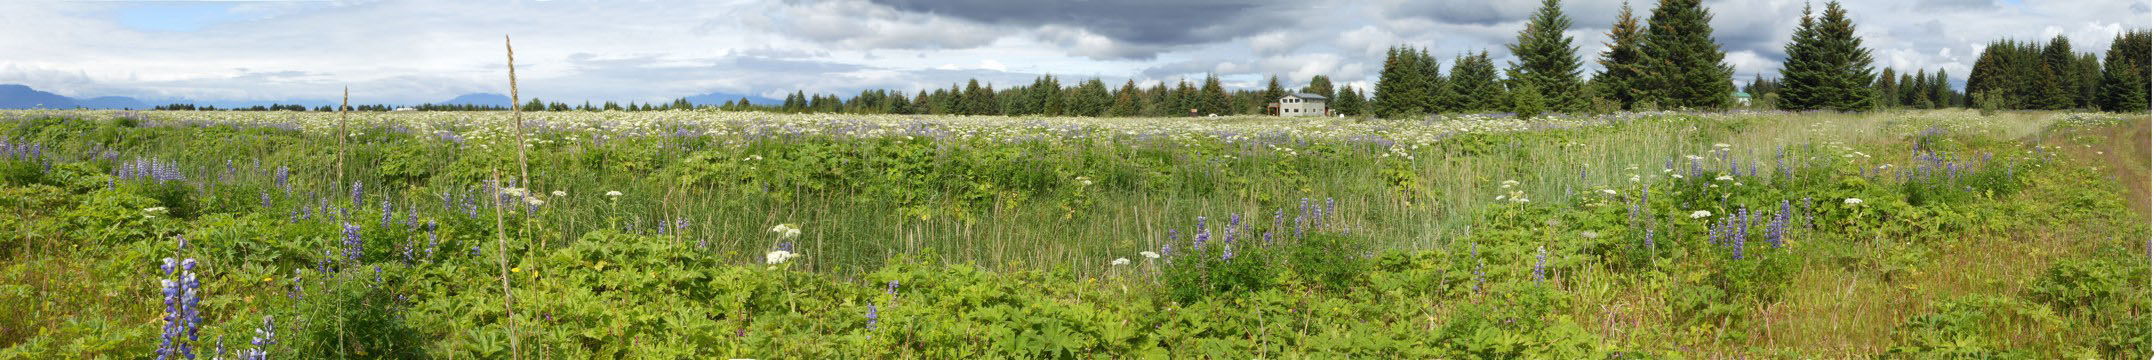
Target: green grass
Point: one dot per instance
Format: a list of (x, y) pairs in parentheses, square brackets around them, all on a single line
[(1002, 219)]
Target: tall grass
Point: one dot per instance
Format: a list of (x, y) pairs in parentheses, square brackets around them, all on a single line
[(1214, 168)]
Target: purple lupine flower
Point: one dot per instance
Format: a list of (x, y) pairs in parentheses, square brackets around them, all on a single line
[(1227, 252), (284, 179), (871, 317), (353, 245), (387, 214), (1540, 265), (263, 337), (893, 288), (183, 318), (297, 291), (1479, 277), (1330, 206), (265, 199), (358, 190), (1649, 240)]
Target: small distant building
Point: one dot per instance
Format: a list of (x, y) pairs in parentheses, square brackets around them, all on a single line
[(1742, 98), (1302, 104)]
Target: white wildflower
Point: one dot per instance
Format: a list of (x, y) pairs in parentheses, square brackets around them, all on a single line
[(1149, 255), (1700, 214), (1852, 201), (778, 257), (1724, 178), (1608, 191), (613, 194), (1120, 261), (786, 230), (559, 193), (1589, 234), (1509, 183)]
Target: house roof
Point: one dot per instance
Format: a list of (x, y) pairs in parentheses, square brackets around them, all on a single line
[(1306, 96)]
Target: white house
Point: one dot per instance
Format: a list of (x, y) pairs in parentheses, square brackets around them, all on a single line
[(1302, 104)]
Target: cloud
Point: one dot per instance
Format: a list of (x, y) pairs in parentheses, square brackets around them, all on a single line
[(409, 51)]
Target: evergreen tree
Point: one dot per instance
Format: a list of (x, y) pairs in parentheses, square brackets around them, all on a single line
[(1214, 99), (976, 100), (1090, 98), (1273, 92), (1125, 100), (2058, 57), (2050, 92), (1547, 59), (1827, 68), (2087, 73), (1940, 90), (1436, 94), (1911, 93), (1473, 80), (1623, 63), (1403, 88), (1350, 103), (1685, 67), (2125, 70), (1888, 92), (1526, 101)]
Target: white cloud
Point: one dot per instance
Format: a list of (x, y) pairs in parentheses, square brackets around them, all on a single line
[(405, 51)]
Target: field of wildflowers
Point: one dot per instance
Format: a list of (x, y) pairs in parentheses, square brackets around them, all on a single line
[(696, 234)]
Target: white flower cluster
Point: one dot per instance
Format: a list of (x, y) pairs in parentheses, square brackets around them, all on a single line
[(787, 231)]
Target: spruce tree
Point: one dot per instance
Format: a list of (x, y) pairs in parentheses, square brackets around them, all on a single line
[(1911, 93), (2058, 57), (1547, 59), (1474, 83), (1940, 90), (1391, 84), (1684, 67), (1827, 68), (1214, 100), (2049, 88), (2125, 70), (2087, 73), (1349, 102), (1622, 64), (1124, 101), (1887, 89), (1435, 88), (1273, 92)]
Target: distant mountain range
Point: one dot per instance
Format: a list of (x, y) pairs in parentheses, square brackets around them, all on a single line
[(14, 96), (719, 98), (480, 99)]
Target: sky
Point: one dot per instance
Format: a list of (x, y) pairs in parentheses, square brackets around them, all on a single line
[(414, 52)]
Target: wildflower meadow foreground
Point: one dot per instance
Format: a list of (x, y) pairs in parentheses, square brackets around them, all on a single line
[(699, 234)]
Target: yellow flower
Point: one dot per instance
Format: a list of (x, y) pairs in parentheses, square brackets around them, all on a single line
[(516, 269)]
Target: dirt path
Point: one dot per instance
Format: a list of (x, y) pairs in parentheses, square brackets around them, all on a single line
[(2121, 150)]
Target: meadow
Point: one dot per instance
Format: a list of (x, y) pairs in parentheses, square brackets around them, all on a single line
[(708, 234)]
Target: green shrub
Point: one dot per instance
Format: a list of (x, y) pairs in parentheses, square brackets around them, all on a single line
[(348, 314)]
